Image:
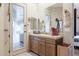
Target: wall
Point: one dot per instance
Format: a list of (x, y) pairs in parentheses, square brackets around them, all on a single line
[(55, 12), (43, 9), (45, 5), (69, 34), (32, 9), (6, 26), (2, 30)]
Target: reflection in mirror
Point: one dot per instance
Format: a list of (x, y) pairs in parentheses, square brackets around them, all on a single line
[(41, 26), (61, 25), (18, 26), (33, 23), (55, 12), (47, 24), (36, 26)]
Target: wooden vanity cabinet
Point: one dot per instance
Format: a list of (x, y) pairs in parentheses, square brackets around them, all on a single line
[(51, 46), (50, 50), (41, 45), (34, 44), (44, 46)]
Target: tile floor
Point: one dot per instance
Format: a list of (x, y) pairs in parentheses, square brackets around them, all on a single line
[(27, 54), (76, 53)]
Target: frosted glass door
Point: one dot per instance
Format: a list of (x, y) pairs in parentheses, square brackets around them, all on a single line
[(18, 26)]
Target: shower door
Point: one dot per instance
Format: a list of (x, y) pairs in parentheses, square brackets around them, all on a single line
[(17, 29)]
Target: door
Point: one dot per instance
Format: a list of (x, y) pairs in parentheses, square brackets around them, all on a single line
[(41, 48), (17, 28), (34, 45), (50, 50)]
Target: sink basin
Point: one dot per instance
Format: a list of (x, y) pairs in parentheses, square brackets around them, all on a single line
[(38, 32)]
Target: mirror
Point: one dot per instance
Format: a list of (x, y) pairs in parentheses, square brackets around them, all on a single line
[(45, 18), (33, 23), (54, 14), (18, 26), (40, 26), (47, 24)]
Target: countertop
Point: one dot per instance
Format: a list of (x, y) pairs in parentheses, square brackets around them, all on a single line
[(47, 36)]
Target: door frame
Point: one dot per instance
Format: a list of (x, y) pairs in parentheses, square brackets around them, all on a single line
[(11, 31)]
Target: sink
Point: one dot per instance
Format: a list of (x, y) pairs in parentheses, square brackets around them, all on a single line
[(38, 32)]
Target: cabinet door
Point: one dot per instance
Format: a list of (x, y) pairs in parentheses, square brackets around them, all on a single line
[(34, 45), (31, 43), (41, 48), (50, 50)]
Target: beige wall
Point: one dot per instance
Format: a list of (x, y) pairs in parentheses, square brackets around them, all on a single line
[(68, 34), (32, 9), (2, 30), (55, 12), (4, 24)]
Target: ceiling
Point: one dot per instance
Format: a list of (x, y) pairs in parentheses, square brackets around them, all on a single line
[(56, 5)]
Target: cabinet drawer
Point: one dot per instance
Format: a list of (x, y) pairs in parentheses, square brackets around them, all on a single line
[(51, 41)]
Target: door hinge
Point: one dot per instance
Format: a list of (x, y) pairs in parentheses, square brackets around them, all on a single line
[(9, 18), (9, 12), (9, 51)]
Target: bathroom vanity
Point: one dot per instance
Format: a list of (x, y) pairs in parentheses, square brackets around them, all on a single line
[(44, 45)]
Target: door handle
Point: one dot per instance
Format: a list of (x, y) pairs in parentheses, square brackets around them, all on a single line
[(24, 25), (5, 29)]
